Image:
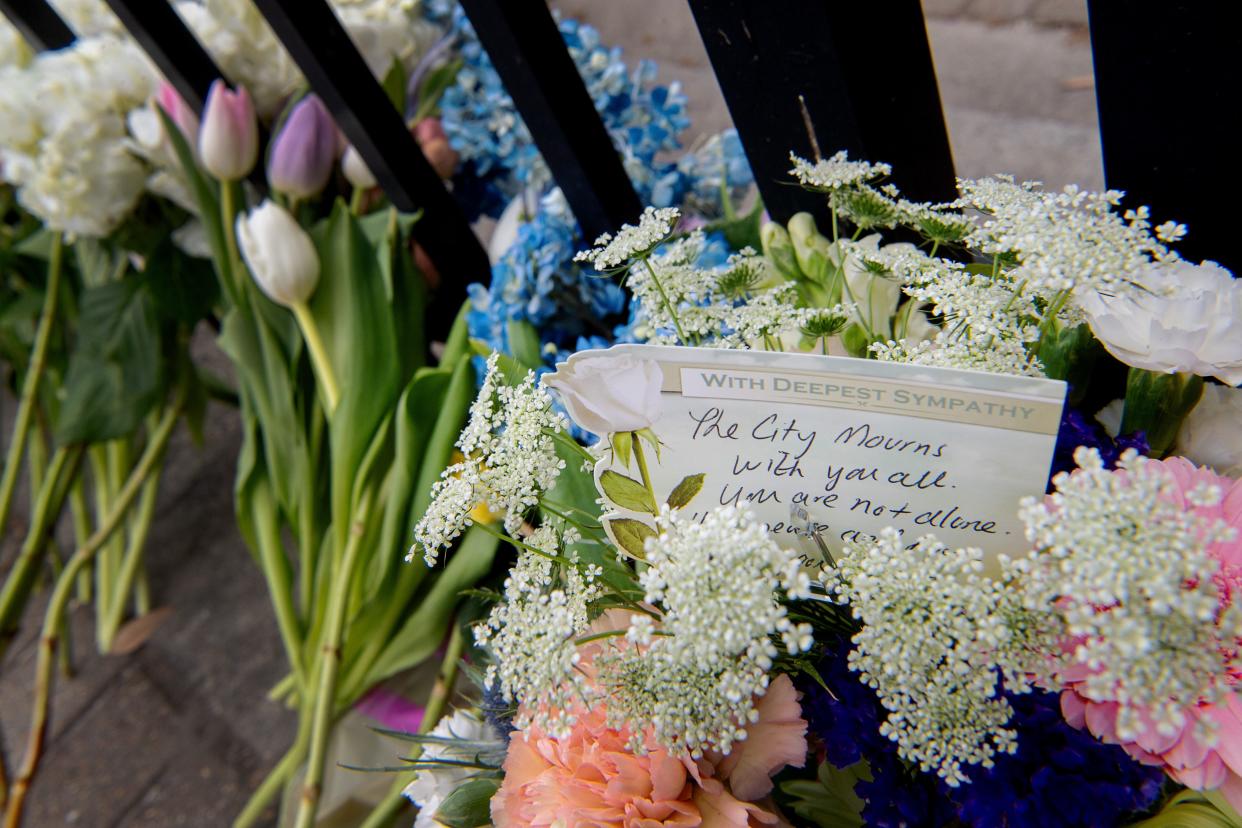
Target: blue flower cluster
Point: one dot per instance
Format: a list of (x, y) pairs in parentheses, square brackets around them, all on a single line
[(484, 125), (536, 280), (1059, 775)]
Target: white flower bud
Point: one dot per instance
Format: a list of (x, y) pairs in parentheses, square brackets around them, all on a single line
[(279, 253), (356, 170)]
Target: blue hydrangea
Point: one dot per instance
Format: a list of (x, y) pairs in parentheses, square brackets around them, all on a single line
[(484, 126)]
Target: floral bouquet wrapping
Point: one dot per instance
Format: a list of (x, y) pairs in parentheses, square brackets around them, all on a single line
[(668, 648)]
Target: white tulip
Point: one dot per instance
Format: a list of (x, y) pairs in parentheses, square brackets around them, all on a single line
[(1211, 435), (279, 253), (1183, 318), (356, 170), (608, 394)]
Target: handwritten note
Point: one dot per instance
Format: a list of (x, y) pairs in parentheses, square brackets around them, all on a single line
[(845, 447)]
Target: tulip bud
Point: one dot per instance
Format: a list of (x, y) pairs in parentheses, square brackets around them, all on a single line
[(304, 151), (441, 157), (228, 142), (356, 170), (429, 129), (279, 253), (779, 250), (178, 111), (813, 251)]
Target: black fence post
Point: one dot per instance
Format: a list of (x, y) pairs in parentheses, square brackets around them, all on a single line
[(163, 35), (525, 45), (860, 73), (1166, 80), (337, 73), (39, 24)]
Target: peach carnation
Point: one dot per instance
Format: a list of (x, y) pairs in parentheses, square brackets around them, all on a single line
[(592, 778)]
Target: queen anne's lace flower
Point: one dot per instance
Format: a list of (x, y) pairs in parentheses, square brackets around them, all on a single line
[(510, 459), (1129, 568), (631, 241), (718, 583), (935, 644), (532, 632), (835, 173)]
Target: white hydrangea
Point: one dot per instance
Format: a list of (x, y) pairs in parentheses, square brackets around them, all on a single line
[(63, 138), (718, 583), (88, 18), (14, 51), (631, 241), (1129, 571), (835, 173), (510, 459), (934, 645), (248, 52), (533, 632)]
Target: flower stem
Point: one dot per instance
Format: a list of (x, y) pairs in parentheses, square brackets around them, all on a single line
[(667, 304), (642, 469), (276, 779), (60, 597), (276, 571), (329, 663), (47, 507), (319, 355), (441, 693), (30, 384), (131, 562), (233, 272)]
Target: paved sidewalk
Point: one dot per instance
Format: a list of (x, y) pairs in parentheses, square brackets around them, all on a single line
[(180, 732)]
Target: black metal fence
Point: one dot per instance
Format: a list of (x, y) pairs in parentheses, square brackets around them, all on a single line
[(857, 75)]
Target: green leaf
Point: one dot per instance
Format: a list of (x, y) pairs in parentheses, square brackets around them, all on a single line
[(394, 84), (469, 805), (205, 191), (685, 491), (829, 801), (458, 343), (433, 87), (627, 492), (116, 370), (354, 315), (424, 628), (1192, 809), (629, 534), (524, 344), (184, 287), (623, 446)]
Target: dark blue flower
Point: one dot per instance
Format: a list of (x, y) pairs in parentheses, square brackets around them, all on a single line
[(1077, 429), (1059, 775)]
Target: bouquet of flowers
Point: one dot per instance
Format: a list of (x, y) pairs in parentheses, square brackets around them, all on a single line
[(654, 656)]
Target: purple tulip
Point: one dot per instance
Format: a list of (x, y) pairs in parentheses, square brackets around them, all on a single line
[(304, 152)]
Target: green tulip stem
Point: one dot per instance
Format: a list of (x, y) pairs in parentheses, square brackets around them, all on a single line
[(131, 563), (328, 666), (234, 272), (319, 355), (30, 385)]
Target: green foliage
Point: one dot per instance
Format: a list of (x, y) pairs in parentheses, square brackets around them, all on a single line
[(631, 535), (627, 492), (686, 490), (828, 800), (469, 805), (115, 371)]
